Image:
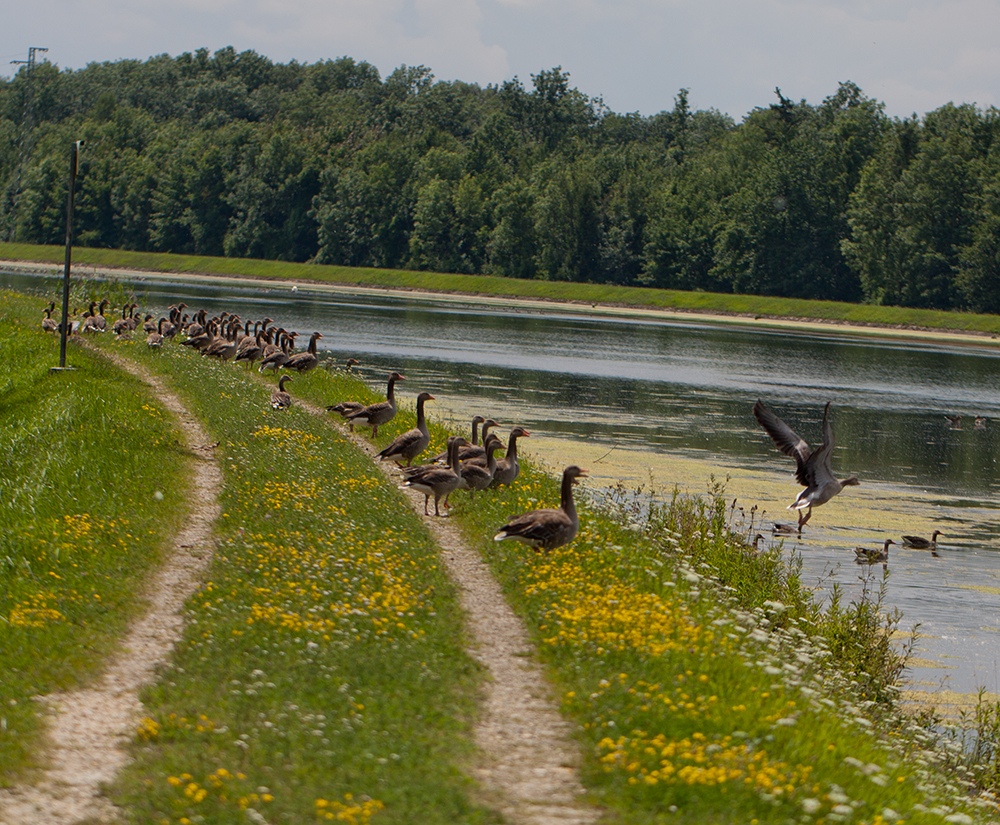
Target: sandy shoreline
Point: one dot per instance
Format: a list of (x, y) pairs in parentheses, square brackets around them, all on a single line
[(808, 325)]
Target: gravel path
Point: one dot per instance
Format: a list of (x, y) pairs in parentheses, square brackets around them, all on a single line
[(527, 767)]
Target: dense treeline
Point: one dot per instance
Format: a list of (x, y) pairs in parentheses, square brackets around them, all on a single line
[(231, 154)]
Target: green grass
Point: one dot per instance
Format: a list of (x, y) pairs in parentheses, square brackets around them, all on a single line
[(83, 453), (752, 305)]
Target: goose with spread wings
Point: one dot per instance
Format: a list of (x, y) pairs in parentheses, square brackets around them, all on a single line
[(812, 466)]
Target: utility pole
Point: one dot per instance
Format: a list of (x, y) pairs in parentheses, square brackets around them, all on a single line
[(30, 62), (27, 130)]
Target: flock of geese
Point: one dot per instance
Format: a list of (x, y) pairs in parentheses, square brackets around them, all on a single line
[(465, 465)]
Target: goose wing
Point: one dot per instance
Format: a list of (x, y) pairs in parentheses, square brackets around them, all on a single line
[(790, 443), (817, 472)]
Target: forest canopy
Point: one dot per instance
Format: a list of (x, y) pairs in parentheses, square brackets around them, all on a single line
[(228, 153)]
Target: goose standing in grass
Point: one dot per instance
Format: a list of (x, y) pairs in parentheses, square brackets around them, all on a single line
[(812, 467), (438, 481), (276, 355), (48, 323), (155, 339), (479, 476), (870, 555), (413, 442), (280, 399), (980, 423), (550, 528), (921, 543), (375, 415), (507, 467), (305, 361), (346, 409)]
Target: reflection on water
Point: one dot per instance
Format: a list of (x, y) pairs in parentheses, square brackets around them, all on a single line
[(669, 401)]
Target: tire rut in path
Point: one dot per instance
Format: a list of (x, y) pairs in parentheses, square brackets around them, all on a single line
[(90, 728), (528, 765)]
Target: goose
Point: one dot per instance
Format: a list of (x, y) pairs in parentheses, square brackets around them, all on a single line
[(125, 324), (280, 399), (413, 442), (351, 362), (375, 415), (507, 467), (782, 529), (224, 346), (197, 326), (921, 543), (437, 481), (249, 349), (812, 466), (980, 423), (550, 528), (954, 422), (276, 355), (98, 323), (305, 361), (48, 323), (155, 339), (346, 409), (869, 555), (476, 476)]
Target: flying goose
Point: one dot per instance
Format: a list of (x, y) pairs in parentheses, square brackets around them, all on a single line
[(812, 466), (413, 442), (869, 555), (550, 528), (280, 399), (374, 415)]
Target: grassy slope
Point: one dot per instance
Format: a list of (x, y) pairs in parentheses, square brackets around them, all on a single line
[(496, 286), (83, 453)]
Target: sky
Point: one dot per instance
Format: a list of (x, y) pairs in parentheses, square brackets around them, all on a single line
[(912, 55)]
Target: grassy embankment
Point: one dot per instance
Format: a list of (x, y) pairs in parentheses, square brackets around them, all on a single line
[(696, 701), (706, 302), (82, 454)]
